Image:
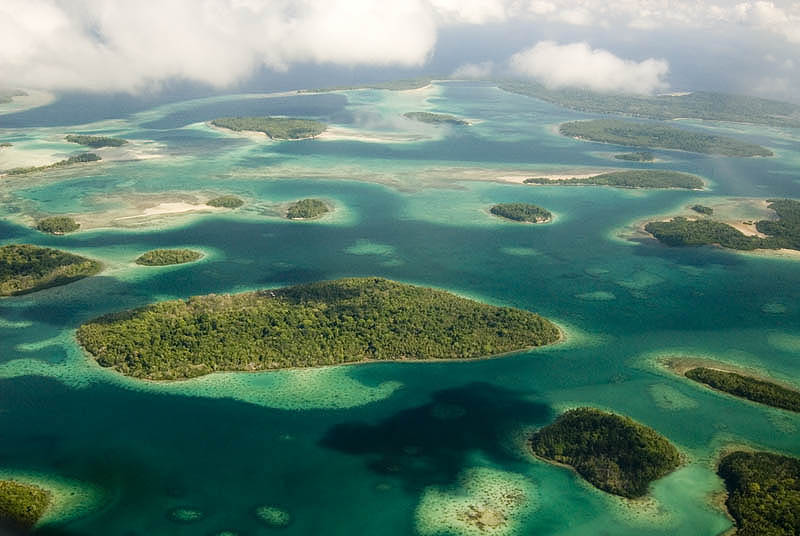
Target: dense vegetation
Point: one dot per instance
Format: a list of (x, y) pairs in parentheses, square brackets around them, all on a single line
[(657, 135), (746, 387), (393, 85), (79, 159), (225, 201), (326, 323), (25, 268), (763, 493), (781, 233), (524, 212), (634, 178), (277, 128), (614, 453), (696, 105), (306, 208), (5, 144), (436, 119), (95, 142), (164, 257), (702, 209), (641, 156), (57, 225), (21, 505)]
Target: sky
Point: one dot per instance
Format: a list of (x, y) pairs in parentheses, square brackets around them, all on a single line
[(625, 46)]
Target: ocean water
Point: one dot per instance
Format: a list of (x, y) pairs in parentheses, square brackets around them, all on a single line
[(390, 449)]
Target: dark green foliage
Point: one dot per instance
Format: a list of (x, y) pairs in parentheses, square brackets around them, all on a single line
[(79, 159), (763, 493), (750, 388), (326, 323), (524, 212), (614, 453), (57, 225), (306, 208), (634, 178), (226, 201), (21, 505), (277, 128), (436, 119), (5, 144), (697, 105), (25, 268), (702, 209), (95, 142), (642, 156), (637, 134), (164, 257)]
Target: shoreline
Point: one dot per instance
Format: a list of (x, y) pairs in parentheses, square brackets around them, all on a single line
[(678, 366), (257, 134)]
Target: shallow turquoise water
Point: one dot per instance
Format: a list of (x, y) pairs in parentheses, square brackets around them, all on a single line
[(352, 450)]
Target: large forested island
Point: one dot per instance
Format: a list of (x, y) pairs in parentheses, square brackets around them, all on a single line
[(614, 453), (435, 119), (696, 104), (276, 128), (781, 233), (305, 209), (763, 493), (25, 268), (96, 142), (760, 391), (166, 257), (325, 323), (57, 225), (522, 212), (634, 178), (21, 505), (654, 135), (71, 161)]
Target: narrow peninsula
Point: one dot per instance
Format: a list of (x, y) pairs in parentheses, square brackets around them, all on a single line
[(614, 453), (276, 128), (522, 212), (654, 135), (315, 324), (22, 505), (71, 161), (435, 119), (634, 178), (307, 209), (25, 268), (95, 142), (166, 257), (743, 386)]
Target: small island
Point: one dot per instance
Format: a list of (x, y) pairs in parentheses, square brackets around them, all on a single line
[(22, 505), (392, 85), (315, 324), (763, 492), (95, 142), (702, 209), (522, 212), (225, 201), (71, 161), (634, 178), (276, 128), (742, 386), (25, 268), (642, 156), (166, 257), (5, 144), (7, 95), (306, 209), (614, 453), (654, 135), (435, 119), (57, 225)]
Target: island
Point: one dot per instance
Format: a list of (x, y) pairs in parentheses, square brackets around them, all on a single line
[(393, 85), (522, 212), (225, 201), (763, 492), (641, 156), (166, 257), (22, 505), (742, 386), (276, 128), (325, 323), (782, 233), (654, 135), (72, 160), (702, 209), (435, 119), (58, 225), (96, 142), (25, 268), (307, 209), (7, 95), (612, 452), (634, 178), (5, 144)]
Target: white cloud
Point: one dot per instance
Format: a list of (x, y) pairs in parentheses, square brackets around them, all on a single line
[(768, 16), (475, 71), (578, 65)]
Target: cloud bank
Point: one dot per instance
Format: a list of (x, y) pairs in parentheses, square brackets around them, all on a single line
[(578, 65)]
